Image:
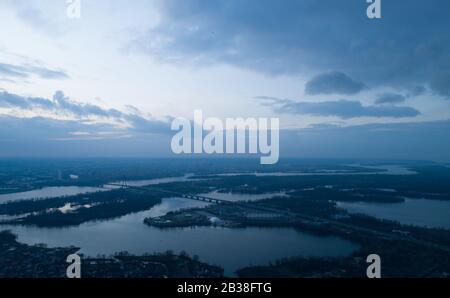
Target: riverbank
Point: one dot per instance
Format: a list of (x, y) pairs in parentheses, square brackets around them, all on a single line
[(30, 261)]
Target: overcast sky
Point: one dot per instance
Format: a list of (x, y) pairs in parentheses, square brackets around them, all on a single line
[(80, 87)]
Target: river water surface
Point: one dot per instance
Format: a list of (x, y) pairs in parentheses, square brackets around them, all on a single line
[(229, 248)]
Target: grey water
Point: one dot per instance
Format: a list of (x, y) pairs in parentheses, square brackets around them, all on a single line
[(234, 197), (229, 248), (156, 181), (418, 212), (49, 192), (53, 192), (59, 191)]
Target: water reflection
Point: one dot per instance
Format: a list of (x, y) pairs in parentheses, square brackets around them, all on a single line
[(53, 192), (59, 191), (229, 248), (419, 212), (49, 192), (235, 197)]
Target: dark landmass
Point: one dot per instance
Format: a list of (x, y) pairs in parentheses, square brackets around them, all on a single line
[(17, 175), (23, 261), (406, 251), (87, 207), (37, 261), (399, 259), (181, 219), (310, 206)]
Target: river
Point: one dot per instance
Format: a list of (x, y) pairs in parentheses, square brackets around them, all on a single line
[(418, 212), (229, 248)]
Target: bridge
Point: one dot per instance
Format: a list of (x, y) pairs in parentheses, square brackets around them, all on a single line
[(344, 226), (124, 185)]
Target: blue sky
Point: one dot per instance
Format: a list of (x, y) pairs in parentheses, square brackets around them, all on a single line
[(109, 82)]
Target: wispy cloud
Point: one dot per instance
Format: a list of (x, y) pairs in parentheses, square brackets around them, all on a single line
[(345, 109), (63, 105), (26, 70)]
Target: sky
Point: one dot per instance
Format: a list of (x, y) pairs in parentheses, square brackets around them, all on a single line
[(110, 82)]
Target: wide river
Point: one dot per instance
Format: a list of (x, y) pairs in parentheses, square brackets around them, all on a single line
[(230, 248), (417, 212), (53, 192)]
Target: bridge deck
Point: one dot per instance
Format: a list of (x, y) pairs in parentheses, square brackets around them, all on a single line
[(186, 196)]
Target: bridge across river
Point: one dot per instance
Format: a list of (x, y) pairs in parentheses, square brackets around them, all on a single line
[(260, 209), (288, 214), (185, 196)]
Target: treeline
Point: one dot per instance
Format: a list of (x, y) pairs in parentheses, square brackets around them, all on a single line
[(399, 259)]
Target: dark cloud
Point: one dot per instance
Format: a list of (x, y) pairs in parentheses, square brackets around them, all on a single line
[(63, 104), (440, 83), (409, 46), (25, 71), (390, 98), (333, 83), (345, 109)]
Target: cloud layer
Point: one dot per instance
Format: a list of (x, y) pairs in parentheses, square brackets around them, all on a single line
[(345, 109), (26, 71), (408, 47), (44, 137), (40, 137), (333, 83), (413, 141), (390, 98), (62, 105)]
